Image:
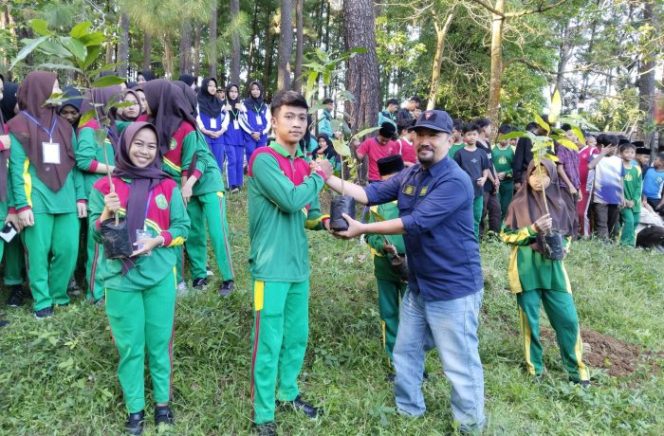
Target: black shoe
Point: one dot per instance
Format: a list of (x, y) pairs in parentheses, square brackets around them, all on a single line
[(585, 384), (16, 297), (390, 377), (73, 288), (163, 415), (306, 408), (200, 284), (3, 322), (135, 422), (266, 429), (46, 312), (226, 288)]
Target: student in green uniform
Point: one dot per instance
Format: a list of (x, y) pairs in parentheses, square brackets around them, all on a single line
[(5, 189), (47, 191), (456, 138), (502, 156), (140, 290), (537, 279), (188, 159), (91, 160), (391, 285), (282, 200), (633, 188)]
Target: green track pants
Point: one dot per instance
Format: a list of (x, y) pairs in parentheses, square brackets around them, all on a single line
[(478, 206), (505, 193), (139, 320), (280, 333), (389, 299), (630, 220), (208, 211), (51, 245), (560, 308), (94, 265), (14, 263)]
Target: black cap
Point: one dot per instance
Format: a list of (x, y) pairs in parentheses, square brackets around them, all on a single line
[(638, 144), (387, 130), (390, 165), (440, 121), (643, 150)]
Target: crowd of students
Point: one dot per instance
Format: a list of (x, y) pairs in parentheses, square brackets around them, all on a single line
[(165, 158)]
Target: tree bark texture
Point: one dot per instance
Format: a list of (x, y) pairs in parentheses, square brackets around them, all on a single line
[(299, 51), (362, 74), (497, 23), (123, 46), (147, 51), (285, 45), (212, 39), (185, 48), (441, 33), (235, 43)]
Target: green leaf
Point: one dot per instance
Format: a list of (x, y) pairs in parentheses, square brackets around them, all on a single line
[(29, 46), (364, 132), (54, 47), (87, 116), (107, 81), (556, 107), (93, 54), (341, 147), (80, 30), (40, 27), (511, 135), (100, 136), (93, 39), (51, 66), (579, 134), (75, 47), (567, 144), (543, 124)]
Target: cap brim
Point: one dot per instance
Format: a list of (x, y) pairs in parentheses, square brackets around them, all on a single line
[(430, 127)]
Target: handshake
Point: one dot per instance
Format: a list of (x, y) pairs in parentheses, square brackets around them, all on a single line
[(322, 167)]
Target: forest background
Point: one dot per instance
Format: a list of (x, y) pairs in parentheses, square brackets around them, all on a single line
[(500, 58)]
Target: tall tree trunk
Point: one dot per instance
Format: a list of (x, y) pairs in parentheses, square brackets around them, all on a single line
[(299, 51), (252, 43), (285, 44), (123, 46), (147, 51), (497, 23), (362, 74), (196, 52), (212, 38), (185, 48), (647, 79), (441, 33), (235, 42), (269, 48), (168, 57)]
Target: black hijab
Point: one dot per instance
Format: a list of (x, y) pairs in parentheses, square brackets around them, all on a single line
[(187, 78), (209, 104), (234, 112), (189, 94), (254, 103)]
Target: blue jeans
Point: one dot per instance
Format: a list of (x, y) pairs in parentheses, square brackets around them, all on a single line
[(452, 327)]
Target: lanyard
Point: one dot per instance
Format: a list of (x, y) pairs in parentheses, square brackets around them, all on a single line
[(259, 108), (48, 132)]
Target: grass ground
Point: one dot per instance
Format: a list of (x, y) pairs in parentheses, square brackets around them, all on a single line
[(58, 376)]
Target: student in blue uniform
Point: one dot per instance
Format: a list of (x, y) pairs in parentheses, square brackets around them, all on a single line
[(233, 134), (258, 120), (210, 119)]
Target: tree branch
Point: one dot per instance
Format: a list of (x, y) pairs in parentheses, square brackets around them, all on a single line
[(517, 14)]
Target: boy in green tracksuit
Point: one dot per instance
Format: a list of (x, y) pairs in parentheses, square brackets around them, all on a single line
[(282, 199), (502, 156), (633, 189), (391, 286)]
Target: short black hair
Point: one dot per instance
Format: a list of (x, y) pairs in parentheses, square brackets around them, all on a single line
[(416, 99), (393, 101), (566, 127), (504, 129), (482, 122), (607, 139), (457, 124), (470, 127), (328, 100), (626, 146), (532, 126), (288, 98)]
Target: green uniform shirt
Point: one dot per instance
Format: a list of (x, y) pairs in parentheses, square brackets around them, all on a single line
[(278, 216), (633, 186), (89, 155), (382, 266), (29, 190), (502, 160), (528, 269), (210, 179), (151, 269), (454, 148)]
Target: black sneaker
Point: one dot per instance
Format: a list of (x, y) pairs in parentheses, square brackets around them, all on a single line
[(163, 415), (73, 288), (46, 312), (585, 384), (266, 429), (135, 422), (199, 284), (302, 406), (226, 288), (16, 297)]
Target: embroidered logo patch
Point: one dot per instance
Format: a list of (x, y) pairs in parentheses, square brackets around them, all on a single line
[(161, 201), (409, 189), (424, 191), (173, 144)]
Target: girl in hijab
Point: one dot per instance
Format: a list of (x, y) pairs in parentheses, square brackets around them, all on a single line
[(130, 113), (47, 191), (144, 76), (325, 150), (144, 105), (535, 278), (91, 160), (210, 118), (140, 290), (188, 160), (233, 128), (258, 119)]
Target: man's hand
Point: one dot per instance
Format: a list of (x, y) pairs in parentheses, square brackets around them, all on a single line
[(481, 181), (355, 228), (390, 249), (256, 136), (147, 245), (325, 166), (13, 218), (186, 193), (501, 175), (112, 202), (26, 218)]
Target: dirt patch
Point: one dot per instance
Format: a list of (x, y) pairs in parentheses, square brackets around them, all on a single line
[(616, 357)]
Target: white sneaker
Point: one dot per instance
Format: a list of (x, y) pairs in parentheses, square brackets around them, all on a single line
[(182, 289)]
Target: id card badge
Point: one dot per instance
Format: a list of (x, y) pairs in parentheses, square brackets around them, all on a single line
[(259, 120), (51, 152), (213, 123), (236, 124)]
